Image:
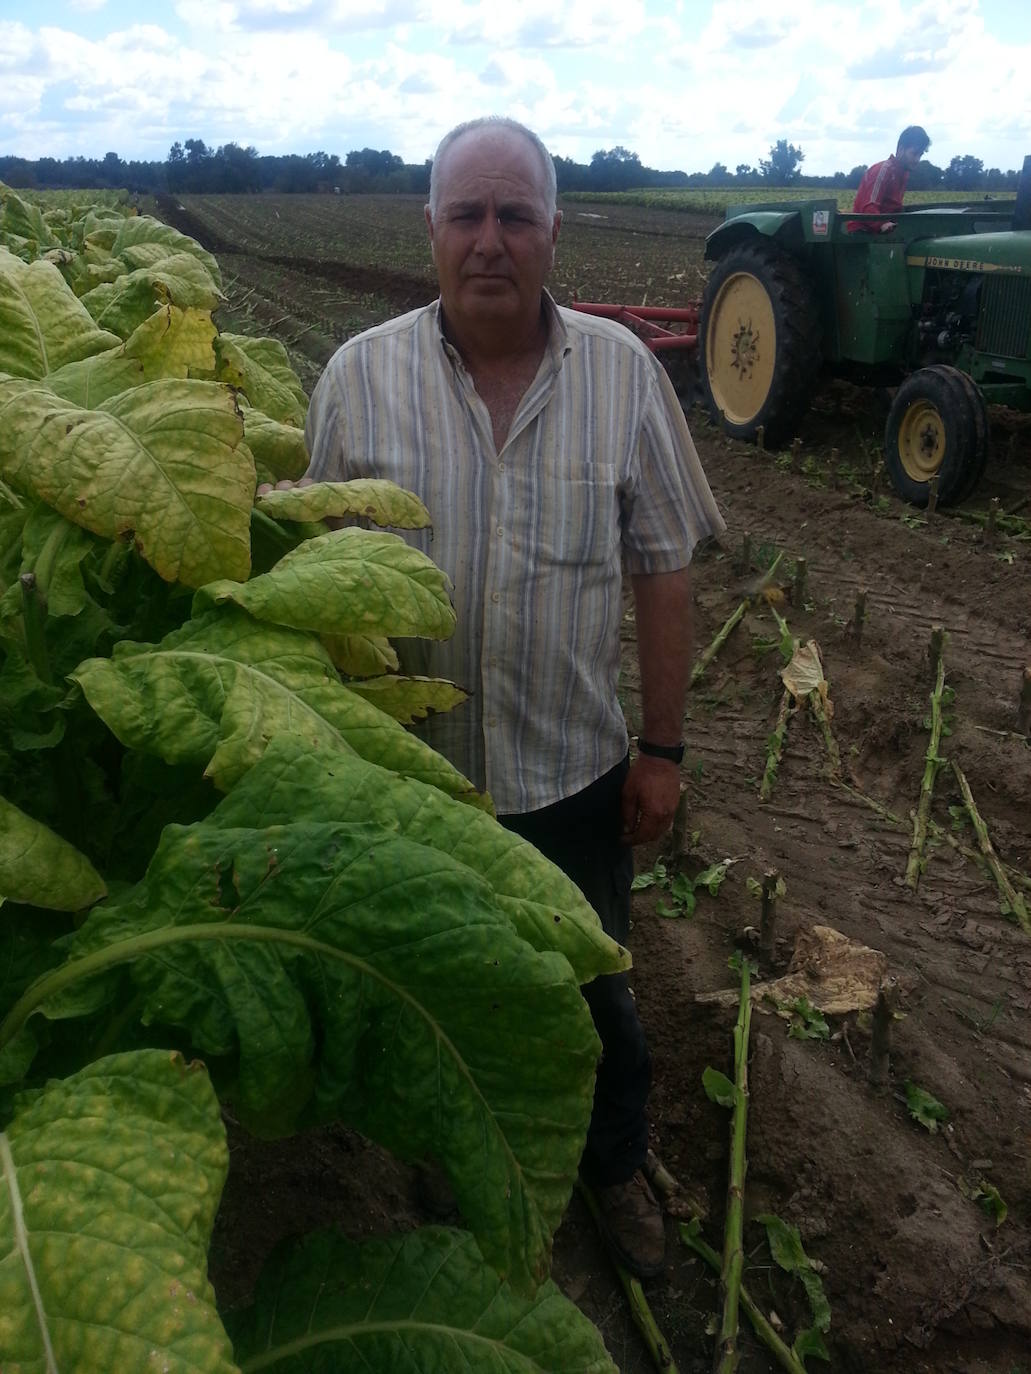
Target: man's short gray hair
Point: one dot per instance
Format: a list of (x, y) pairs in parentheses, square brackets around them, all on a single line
[(495, 122)]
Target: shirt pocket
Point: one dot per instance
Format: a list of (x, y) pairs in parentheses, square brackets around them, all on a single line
[(578, 518)]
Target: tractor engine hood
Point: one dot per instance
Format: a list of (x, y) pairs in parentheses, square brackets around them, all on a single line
[(1008, 252)]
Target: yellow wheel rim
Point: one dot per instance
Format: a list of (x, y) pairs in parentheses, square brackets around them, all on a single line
[(921, 441), (741, 348)]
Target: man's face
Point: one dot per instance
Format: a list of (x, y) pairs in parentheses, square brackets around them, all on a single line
[(909, 157), (493, 237)]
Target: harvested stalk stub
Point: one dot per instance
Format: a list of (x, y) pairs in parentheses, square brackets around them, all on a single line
[(991, 525), (859, 616), (798, 586), (1024, 709), (796, 454), (744, 560), (932, 495), (768, 919), (678, 831), (880, 1042)]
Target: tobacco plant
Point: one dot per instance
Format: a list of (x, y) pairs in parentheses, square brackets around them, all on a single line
[(230, 873)]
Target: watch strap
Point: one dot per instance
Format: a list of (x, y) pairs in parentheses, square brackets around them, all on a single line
[(673, 752)]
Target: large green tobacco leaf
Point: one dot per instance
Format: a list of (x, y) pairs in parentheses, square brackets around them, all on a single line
[(26, 221), (410, 699), (374, 498), (347, 581), (42, 324), (164, 462), (382, 972), (279, 450), (214, 692), (545, 907), (169, 343), (423, 1303), (123, 304), (39, 868), (361, 655), (141, 240), (261, 369), (109, 1182)]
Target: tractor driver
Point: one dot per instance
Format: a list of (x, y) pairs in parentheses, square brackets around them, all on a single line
[(882, 188)]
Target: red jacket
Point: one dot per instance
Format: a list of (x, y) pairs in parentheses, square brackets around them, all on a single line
[(881, 190)]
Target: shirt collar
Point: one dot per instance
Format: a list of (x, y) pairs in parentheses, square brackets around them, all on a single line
[(558, 346)]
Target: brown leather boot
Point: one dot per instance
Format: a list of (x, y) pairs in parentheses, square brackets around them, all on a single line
[(631, 1222)]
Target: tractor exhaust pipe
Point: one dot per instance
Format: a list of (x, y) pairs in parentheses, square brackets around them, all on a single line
[(1022, 208)]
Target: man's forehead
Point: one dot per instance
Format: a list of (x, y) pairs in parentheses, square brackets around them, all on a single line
[(494, 158)]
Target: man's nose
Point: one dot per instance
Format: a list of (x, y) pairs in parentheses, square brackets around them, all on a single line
[(489, 239)]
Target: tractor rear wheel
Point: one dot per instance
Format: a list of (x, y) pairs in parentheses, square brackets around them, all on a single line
[(935, 428), (978, 457), (759, 332), (682, 369)]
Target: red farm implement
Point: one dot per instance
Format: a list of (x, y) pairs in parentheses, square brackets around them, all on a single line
[(671, 332)]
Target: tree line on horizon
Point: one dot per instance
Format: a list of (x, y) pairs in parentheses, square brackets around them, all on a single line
[(193, 168)]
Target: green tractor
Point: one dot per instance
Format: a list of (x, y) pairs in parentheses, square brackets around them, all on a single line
[(939, 305)]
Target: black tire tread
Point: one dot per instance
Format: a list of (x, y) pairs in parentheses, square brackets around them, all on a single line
[(799, 336), (946, 388)]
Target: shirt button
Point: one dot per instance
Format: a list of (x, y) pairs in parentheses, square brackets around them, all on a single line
[(500, 531), (495, 597), (501, 467)]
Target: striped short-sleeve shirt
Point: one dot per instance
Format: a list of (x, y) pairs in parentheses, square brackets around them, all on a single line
[(598, 474)]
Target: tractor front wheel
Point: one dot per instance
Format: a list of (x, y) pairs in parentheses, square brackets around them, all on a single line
[(936, 428), (760, 338)]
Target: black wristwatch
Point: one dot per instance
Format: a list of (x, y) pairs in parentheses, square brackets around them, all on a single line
[(673, 752)]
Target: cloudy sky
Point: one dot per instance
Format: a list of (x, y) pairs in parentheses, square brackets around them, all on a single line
[(683, 84)]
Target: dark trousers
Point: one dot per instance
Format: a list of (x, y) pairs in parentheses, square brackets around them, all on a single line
[(580, 834)]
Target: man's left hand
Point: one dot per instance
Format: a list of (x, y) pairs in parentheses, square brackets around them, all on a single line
[(649, 799)]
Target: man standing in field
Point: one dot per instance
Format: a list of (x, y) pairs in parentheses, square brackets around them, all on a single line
[(884, 185), (548, 446)]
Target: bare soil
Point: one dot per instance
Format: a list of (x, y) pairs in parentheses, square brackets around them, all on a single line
[(919, 1276)]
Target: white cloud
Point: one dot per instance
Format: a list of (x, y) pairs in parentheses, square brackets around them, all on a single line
[(682, 84)]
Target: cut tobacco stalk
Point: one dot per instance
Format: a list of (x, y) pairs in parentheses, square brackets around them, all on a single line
[(932, 762), (1012, 902), (823, 721), (690, 1234), (678, 1200), (775, 747), (717, 644), (734, 1095), (645, 1322)]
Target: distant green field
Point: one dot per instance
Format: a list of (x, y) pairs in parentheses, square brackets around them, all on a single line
[(68, 200), (715, 200)]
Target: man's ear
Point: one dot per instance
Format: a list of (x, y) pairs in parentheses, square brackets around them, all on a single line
[(429, 222)]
